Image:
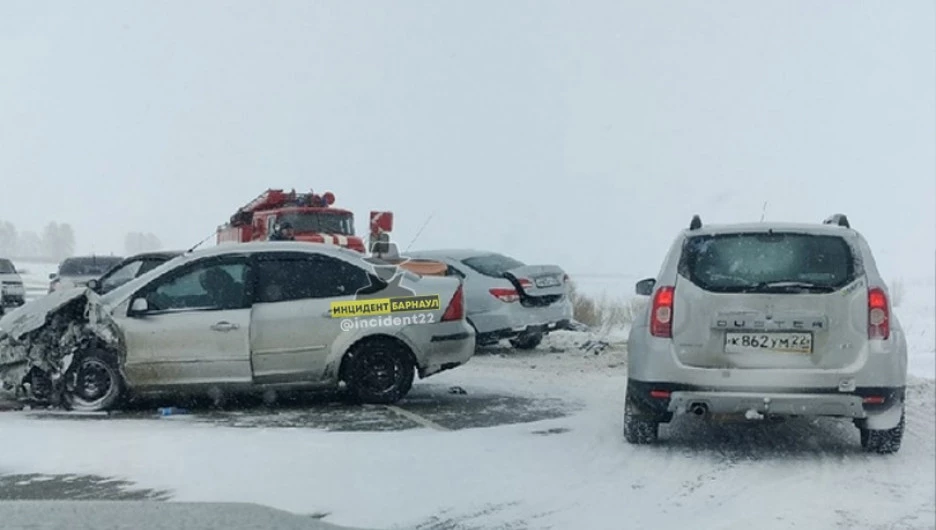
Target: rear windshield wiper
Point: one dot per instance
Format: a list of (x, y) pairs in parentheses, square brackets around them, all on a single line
[(794, 285)]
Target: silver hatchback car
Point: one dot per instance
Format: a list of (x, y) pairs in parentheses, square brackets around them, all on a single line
[(247, 317), (768, 319)]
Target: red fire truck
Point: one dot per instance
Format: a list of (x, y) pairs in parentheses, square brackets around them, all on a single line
[(314, 220), (312, 217)]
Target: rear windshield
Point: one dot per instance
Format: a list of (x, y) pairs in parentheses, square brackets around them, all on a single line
[(768, 262), (6, 267), (494, 265), (91, 266)]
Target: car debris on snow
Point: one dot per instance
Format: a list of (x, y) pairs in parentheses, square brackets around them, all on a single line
[(595, 346), (42, 337)]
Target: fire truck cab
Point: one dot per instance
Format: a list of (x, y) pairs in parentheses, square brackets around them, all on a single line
[(315, 220), (312, 216)]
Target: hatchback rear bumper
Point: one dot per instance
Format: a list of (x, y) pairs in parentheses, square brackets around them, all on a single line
[(511, 320), (510, 333)]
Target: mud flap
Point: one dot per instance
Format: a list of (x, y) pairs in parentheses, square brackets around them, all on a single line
[(883, 420)]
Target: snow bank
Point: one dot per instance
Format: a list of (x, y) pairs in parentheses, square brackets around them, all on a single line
[(916, 310)]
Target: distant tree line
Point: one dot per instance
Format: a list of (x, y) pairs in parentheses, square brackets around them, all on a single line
[(136, 242), (57, 242)]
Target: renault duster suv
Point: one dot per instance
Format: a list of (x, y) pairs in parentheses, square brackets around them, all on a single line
[(768, 319)]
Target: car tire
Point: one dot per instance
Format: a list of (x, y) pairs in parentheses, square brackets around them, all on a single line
[(93, 382), (883, 442), (639, 429), (379, 371), (527, 341)]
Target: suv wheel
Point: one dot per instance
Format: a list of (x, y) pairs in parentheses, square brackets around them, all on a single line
[(638, 428), (883, 442)]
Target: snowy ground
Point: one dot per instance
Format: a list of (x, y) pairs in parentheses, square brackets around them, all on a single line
[(476, 460)]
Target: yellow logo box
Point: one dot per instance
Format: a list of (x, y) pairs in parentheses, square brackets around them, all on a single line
[(384, 306)]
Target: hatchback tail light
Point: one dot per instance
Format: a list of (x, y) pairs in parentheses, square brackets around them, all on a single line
[(456, 307), (661, 313), (878, 314)]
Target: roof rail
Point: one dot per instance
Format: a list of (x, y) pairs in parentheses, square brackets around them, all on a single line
[(837, 219), (696, 222)]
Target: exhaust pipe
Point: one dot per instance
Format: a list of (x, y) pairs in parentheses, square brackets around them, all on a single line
[(698, 409)]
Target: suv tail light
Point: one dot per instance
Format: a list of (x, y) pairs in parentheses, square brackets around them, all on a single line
[(878, 314), (505, 295), (661, 314), (456, 307)]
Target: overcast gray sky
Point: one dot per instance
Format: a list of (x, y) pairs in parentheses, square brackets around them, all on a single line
[(578, 133)]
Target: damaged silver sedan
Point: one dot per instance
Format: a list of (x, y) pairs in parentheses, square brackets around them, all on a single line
[(246, 317)]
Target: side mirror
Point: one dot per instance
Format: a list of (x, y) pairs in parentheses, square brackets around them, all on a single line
[(93, 284), (645, 287), (52, 275), (139, 306)]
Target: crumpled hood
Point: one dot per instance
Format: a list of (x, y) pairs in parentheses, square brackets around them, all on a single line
[(46, 332)]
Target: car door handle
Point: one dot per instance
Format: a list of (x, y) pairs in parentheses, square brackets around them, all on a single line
[(223, 326)]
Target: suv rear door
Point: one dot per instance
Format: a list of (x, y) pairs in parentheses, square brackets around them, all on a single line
[(769, 299)]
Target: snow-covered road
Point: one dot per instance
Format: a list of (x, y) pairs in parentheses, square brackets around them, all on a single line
[(570, 472)]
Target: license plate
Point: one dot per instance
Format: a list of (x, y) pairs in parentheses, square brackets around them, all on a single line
[(768, 342), (547, 281)]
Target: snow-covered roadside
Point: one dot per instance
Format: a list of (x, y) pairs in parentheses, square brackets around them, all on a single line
[(916, 309), (583, 476)]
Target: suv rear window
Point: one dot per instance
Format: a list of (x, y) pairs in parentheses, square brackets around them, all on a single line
[(494, 265), (768, 262), (6, 267)]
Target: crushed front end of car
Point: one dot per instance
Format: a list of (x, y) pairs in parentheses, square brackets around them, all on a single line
[(39, 340)]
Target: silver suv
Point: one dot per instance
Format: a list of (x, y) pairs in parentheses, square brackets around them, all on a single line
[(768, 319)]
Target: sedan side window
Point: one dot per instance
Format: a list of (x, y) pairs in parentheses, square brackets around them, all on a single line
[(148, 265), (210, 285), (121, 276), (282, 278)]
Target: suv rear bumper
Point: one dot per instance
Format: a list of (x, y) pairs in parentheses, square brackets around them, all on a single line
[(874, 407)]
